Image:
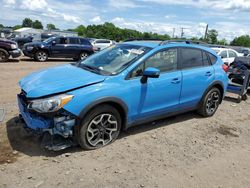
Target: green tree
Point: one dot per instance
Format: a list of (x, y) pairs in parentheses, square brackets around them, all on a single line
[(243, 40), (37, 24), (212, 36), (222, 42), (51, 26), (81, 29), (1, 26), (27, 22)]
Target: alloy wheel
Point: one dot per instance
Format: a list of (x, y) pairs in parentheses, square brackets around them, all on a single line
[(2, 56), (102, 130), (212, 102), (42, 56), (83, 56)]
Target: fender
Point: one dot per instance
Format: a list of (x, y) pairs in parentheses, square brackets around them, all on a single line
[(210, 86), (115, 100)]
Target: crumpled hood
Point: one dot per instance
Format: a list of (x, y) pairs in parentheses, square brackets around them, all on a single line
[(56, 80)]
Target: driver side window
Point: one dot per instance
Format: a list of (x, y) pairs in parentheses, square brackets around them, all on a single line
[(165, 61)]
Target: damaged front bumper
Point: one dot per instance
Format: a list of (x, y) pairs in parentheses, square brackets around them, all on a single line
[(57, 127)]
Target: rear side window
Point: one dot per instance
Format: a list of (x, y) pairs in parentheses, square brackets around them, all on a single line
[(73, 41), (191, 58), (102, 41), (85, 42), (232, 53), (223, 54), (205, 58), (213, 59)]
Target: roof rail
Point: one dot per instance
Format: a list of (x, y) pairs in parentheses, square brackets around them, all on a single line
[(183, 41), (141, 39)]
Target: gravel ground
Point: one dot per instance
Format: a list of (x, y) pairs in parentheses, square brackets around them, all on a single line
[(181, 151)]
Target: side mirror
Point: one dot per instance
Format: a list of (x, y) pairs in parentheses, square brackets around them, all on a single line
[(53, 43), (150, 72)]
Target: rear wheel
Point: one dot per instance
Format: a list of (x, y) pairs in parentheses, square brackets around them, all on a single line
[(41, 56), (83, 55), (210, 102), (100, 127), (4, 55)]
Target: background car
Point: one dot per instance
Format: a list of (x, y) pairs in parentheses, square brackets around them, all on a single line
[(8, 49), (59, 47), (93, 100), (227, 55), (100, 44)]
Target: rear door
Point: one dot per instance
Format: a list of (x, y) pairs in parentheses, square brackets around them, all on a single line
[(197, 73)]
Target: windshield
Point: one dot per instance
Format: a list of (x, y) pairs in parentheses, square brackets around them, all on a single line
[(115, 59), (49, 39)]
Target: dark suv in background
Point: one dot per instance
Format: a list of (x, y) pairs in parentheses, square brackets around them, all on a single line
[(8, 49), (59, 47)]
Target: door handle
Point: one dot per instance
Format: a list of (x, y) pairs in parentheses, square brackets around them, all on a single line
[(208, 73), (175, 81)]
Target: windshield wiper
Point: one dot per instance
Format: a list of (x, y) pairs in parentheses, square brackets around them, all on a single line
[(90, 68)]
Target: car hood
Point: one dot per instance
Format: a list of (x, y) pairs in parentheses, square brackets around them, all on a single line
[(7, 41), (57, 80)]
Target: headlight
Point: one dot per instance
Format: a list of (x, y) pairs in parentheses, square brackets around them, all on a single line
[(51, 104), (30, 47), (13, 46)]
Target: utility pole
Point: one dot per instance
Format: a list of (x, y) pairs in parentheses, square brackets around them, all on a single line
[(205, 37), (173, 33), (182, 31)]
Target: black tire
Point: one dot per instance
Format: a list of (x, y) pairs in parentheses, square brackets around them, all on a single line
[(41, 56), (4, 55), (210, 102), (90, 122), (244, 97), (83, 55)]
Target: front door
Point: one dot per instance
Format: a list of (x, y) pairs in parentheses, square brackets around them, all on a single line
[(159, 95), (59, 48)]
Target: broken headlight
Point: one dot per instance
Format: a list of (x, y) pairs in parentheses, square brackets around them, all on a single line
[(51, 104)]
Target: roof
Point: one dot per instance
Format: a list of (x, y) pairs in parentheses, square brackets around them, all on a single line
[(154, 44), (150, 44), (26, 29)]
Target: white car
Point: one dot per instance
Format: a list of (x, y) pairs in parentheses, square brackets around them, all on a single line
[(227, 55), (100, 44)]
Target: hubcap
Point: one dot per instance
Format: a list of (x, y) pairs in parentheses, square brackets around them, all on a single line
[(84, 56), (42, 56), (212, 102), (2, 56), (101, 130)]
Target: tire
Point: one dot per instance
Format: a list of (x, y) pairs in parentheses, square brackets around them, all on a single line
[(41, 56), (210, 102), (4, 55), (96, 131), (83, 55)]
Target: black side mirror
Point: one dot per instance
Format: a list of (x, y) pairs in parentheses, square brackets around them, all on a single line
[(150, 72)]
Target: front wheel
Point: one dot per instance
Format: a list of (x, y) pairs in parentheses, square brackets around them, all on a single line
[(210, 103), (4, 56), (100, 127), (41, 56)]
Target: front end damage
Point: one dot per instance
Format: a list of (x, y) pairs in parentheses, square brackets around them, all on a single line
[(57, 128)]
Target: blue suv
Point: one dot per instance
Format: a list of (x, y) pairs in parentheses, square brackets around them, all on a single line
[(130, 83)]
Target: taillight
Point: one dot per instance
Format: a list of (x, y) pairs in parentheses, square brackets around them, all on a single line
[(225, 67)]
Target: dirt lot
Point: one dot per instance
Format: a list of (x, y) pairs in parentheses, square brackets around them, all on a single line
[(182, 151)]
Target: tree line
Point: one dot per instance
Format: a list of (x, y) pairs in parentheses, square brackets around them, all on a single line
[(110, 31)]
